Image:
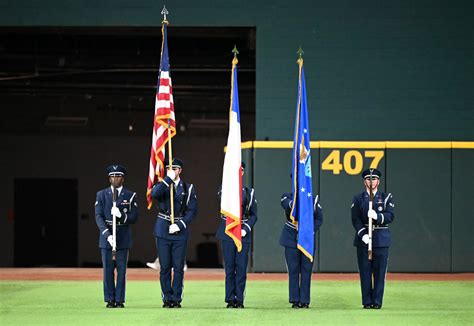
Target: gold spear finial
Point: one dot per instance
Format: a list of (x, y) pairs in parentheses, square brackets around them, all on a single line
[(300, 53), (235, 52), (164, 12)]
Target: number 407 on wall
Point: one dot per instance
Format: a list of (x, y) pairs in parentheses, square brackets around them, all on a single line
[(352, 162)]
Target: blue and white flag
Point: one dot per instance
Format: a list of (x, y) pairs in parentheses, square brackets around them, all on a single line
[(302, 210)]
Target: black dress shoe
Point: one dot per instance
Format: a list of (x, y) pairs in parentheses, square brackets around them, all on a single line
[(295, 305), (110, 304), (376, 306), (119, 305), (239, 305), (167, 304), (230, 304), (176, 304), (304, 305), (367, 306)]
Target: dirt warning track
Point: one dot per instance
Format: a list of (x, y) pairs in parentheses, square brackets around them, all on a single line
[(200, 274)]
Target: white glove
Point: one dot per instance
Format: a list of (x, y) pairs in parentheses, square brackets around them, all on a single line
[(372, 214), (243, 232), (365, 238), (115, 211), (171, 174), (174, 228), (110, 240)]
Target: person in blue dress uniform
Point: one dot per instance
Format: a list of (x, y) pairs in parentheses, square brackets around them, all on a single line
[(172, 238), (126, 212), (300, 268), (372, 272), (235, 263)]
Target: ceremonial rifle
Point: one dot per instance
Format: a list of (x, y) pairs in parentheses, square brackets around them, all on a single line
[(114, 225), (371, 202)]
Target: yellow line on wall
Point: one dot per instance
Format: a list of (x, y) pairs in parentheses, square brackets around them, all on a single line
[(273, 144), (352, 144), (365, 144), (247, 144), (419, 144), (463, 144)]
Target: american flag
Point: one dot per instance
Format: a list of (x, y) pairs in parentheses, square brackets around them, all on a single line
[(164, 118)]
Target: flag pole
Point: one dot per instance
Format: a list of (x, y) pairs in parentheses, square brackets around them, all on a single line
[(165, 12), (170, 162), (231, 199), (300, 53)]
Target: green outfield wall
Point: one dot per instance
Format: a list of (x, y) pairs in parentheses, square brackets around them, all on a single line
[(374, 70), (430, 182)]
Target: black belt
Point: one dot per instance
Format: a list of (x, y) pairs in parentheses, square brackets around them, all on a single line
[(225, 218), (383, 226), (168, 218), (116, 223)]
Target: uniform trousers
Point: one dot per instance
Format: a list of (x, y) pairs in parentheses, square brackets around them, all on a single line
[(235, 265), (372, 274), (114, 291), (300, 270), (172, 254)]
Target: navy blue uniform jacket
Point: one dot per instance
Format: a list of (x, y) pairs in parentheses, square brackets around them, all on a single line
[(249, 218), (384, 206), (289, 234), (127, 203), (185, 208)]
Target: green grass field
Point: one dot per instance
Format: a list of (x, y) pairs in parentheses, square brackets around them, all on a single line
[(333, 303)]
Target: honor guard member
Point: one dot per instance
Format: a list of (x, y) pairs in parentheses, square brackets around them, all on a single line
[(382, 215), (300, 268), (126, 212), (235, 263), (172, 238)]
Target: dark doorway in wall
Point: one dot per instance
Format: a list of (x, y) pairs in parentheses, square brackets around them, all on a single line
[(45, 222)]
